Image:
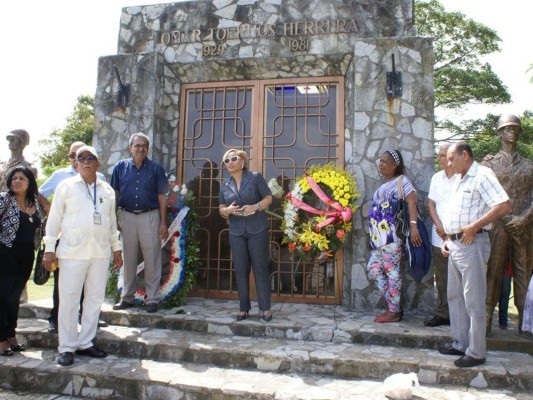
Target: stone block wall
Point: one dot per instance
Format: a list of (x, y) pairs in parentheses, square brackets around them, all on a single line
[(373, 122)]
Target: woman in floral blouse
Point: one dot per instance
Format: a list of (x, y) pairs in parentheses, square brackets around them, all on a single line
[(386, 253)]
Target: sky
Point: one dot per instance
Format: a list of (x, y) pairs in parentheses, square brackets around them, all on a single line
[(51, 50)]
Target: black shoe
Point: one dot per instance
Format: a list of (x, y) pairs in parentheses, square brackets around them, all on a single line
[(437, 321), (152, 307), (92, 352), (466, 361), (65, 359), (122, 305), (267, 318), (18, 347), (7, 352), (52, 326), (242, 317), (450, 351), (102, 324)]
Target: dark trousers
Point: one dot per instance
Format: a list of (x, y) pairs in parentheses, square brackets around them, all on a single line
[(252, 251), (503, 304), (440, 264), (15, 270)]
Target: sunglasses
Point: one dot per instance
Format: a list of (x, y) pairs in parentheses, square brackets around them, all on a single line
[(232, 159), (86, 158), (72, 155)]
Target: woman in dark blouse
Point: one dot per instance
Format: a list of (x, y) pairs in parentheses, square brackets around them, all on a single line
[(243, 198), (19, 221)]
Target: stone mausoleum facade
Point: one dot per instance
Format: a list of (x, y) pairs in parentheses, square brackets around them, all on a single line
[(169, 53)]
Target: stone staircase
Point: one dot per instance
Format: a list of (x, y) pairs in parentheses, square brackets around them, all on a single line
[(305, 352)]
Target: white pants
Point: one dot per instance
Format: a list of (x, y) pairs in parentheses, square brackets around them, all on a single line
[(91, 276)]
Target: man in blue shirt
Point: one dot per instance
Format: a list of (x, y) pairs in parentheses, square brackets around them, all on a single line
[(46, 190), (141, 185)]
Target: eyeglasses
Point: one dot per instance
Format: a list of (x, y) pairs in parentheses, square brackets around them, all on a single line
[(72, 155), (138, 146), (86, 158), (232, 159)]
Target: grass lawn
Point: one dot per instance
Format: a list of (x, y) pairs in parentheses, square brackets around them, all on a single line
[(36, 292)]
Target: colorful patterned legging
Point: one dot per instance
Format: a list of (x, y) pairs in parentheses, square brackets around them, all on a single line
[(384, 268)]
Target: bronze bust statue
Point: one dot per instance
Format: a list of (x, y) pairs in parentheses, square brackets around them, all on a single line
[(511, 235), (18, 140)]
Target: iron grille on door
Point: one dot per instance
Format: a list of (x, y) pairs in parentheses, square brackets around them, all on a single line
[(285, 127)]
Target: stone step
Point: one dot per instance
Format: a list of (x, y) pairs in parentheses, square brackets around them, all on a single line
[(503, 370), (132, 378), (294, 321)]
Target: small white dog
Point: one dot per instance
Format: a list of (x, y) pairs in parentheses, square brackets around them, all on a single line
[(399, 386)]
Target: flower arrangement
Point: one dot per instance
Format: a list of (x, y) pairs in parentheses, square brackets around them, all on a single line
[(177, 195), (319, 231), (182, 249)]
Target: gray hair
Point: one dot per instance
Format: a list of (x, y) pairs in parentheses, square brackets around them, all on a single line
[(139, 135)]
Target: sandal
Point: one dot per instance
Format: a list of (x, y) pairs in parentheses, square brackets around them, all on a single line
[(6, 352), (18, 347)]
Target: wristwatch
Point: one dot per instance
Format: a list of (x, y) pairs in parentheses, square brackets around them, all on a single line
[(257, 206)]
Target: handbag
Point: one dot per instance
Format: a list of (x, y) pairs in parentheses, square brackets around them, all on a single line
[(419, 258), (401, 217), (40, 274)]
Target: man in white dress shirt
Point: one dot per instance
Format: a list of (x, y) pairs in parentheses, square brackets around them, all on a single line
[(83, 212), (45, 191), (439, 196)]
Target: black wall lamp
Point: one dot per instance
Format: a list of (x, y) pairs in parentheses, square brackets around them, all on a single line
[(123, 95), (394, 81)]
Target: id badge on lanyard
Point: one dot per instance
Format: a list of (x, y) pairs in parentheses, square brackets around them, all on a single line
[(97, 217)]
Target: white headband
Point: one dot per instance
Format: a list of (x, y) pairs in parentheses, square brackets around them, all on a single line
[(395, 156)]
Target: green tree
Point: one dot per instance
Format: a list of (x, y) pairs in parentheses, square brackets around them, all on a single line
[(79, 127), (460, 77), (483, 139)]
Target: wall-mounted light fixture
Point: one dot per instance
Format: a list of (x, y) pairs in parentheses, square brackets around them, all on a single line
[(123, 95), (394, 81)]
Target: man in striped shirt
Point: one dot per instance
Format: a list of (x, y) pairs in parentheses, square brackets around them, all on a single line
[(477, 199)]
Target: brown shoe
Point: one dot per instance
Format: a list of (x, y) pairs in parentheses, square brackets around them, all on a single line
[(389, 317)]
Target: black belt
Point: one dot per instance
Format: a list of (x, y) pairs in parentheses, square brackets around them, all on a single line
[(458, 236), (137, 212)]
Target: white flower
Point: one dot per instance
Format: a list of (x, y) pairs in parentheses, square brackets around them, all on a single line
[(176, 188), (275, 188), (183, 189)]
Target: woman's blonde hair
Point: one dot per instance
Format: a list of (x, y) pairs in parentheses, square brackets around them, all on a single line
[(239, 153)]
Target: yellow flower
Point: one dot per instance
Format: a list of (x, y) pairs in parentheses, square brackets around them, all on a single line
[(385, 204), (373, 222), (374, 237), (383, 226)]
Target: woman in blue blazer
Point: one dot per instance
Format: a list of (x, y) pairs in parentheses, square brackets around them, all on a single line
[(243, 198)]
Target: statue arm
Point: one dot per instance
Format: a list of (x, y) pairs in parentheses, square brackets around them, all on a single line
[(518, 223)]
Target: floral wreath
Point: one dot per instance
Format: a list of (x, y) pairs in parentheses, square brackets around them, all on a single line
[(176, 271), (177, 198), (319, 232)]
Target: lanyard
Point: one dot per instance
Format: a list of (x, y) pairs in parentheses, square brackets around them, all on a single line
[(92, 198)]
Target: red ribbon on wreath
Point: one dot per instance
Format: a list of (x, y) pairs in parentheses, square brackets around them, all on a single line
[(345, 213)]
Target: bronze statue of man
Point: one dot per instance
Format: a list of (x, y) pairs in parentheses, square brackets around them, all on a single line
[(511, 235), (18, 140)]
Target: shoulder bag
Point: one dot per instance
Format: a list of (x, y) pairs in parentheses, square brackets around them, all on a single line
[(40, 274)]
